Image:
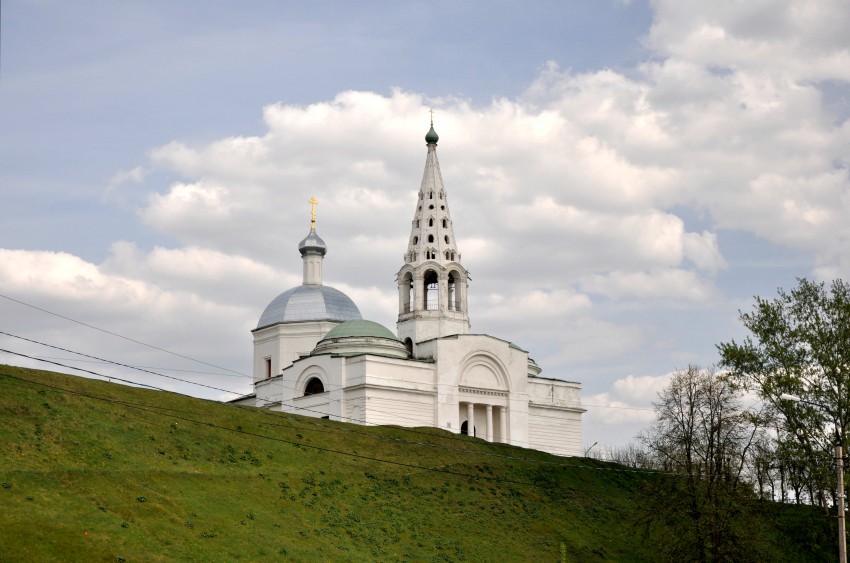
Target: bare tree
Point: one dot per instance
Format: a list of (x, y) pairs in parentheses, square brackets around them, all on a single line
[(702, 439)]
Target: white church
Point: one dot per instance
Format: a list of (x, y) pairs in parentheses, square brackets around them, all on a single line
[(314, 355)]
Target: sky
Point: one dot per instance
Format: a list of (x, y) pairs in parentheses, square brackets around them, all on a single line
[(624, 176)]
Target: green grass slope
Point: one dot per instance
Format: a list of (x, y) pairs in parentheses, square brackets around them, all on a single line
[(96, 471)]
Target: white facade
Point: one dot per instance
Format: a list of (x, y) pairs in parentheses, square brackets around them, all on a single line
[(434, 373)]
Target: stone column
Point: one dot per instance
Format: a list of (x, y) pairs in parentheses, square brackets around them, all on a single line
[(418, 292), (470, 417), (503, 424), (443, 289), (489, 423)]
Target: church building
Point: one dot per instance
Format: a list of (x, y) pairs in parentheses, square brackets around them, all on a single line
[(314, 355)]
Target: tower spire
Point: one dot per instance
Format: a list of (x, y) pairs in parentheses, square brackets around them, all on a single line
[(432, 282)]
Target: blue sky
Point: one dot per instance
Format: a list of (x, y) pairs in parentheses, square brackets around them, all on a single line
[(624, 176)]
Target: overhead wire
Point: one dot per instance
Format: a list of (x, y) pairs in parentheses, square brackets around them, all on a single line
[(294, 407), (143, 369), (171, 413), (264, 411), (158, 368), (120, 364), (146, 408), (324, 427), (119, 335), (395, 415)]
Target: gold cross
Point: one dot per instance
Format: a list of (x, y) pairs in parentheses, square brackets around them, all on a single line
[(313, 203)]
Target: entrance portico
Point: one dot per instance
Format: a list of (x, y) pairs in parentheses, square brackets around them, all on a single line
[(488, 420)]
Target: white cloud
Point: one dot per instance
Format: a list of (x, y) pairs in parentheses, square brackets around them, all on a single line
[(615, 415), (802, 40), (674, 286), (134, 176), (611, 421)]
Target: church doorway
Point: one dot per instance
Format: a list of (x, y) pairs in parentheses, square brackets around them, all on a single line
[(464, 428)]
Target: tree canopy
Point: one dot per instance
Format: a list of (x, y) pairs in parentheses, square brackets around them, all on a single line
[(800, 345)]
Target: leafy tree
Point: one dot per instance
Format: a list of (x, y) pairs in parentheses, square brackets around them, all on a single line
[(800, 345), (701, 438)]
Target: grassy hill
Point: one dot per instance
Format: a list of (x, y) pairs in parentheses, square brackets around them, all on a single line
[(97, 471)]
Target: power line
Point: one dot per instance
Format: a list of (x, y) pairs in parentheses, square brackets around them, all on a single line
[(326, 427), (147, 408), (157, 410), (294, 407), (84, 370), (394, 415), (356, 421), (118, 364), (64, 359), (119, 335)]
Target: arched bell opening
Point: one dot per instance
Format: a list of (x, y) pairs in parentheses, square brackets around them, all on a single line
[(406, 289), (432, 292)]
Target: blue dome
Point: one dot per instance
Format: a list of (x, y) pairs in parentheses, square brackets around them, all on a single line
[(309, 303)]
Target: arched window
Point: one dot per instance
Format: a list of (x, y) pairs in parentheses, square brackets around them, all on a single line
[(430, 238), (430, 195), (447, 239), (415, 240), (431, 222), (445, 223), (314, 387), (408, 343)]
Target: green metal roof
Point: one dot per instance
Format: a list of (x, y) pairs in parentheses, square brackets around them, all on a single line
[(359, 328)]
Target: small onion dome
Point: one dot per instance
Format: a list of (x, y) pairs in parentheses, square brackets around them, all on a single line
[(312, 244), (431, 137), (358, 337)]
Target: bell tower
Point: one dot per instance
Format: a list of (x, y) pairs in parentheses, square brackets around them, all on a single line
[(432, 283)]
